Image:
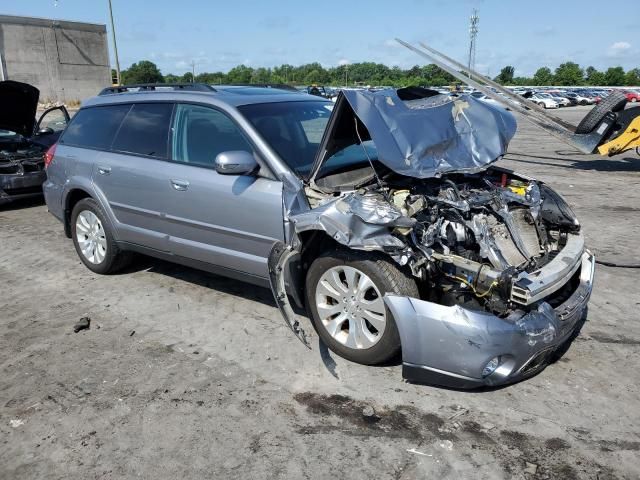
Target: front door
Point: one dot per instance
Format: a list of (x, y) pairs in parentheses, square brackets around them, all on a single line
[(230, 221)]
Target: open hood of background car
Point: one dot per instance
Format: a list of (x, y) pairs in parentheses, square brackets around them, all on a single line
[(418, 132), (19, 102)]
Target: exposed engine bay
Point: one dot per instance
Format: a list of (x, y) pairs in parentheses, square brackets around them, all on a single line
[(21, 156), (469, 238)]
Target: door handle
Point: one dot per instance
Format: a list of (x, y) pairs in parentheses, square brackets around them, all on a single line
[(180, 185), (102, 170)]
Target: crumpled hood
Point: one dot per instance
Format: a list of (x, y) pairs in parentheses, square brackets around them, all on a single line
[(19, 102), (429, 136)]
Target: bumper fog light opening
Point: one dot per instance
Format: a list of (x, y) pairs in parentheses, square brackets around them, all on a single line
[(491, 366)]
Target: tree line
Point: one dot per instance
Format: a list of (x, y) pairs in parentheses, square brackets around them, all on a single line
[(369, 73)]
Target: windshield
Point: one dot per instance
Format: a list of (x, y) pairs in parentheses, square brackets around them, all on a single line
[(7, 133), (293, 129)]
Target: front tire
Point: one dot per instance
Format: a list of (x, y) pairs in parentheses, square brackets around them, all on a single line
[(93, 239), (344, 293)]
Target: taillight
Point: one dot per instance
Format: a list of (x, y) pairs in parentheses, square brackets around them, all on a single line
[(48, 157)]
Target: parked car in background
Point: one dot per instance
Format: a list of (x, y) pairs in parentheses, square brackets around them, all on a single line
[(559, 99), (24, 141), (572, 99), (483, 98), (579, 98), (632, 95), (544, 100)]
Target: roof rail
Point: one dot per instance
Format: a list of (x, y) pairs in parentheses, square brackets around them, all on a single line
[(145, 87), (278, 86)]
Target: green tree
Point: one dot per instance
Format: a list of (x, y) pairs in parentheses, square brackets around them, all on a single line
[(569, 73), (506, 75), (543, 76), (187, 78), (632, 77), (142, 72), (240, 74), (171, 78), (614, 76), (594, 77)]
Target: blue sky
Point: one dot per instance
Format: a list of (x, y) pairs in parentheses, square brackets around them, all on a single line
[(218, 35)]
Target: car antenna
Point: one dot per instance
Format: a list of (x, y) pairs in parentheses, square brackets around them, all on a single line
[(375, 174)]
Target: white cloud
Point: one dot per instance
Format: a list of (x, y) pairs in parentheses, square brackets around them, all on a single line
[(343, 61), (618, 49), (621, 46)]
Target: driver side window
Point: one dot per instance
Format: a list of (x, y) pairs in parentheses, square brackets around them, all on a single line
[(201, 133)]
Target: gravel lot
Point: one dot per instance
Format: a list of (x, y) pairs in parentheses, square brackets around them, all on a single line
[(185, 374)]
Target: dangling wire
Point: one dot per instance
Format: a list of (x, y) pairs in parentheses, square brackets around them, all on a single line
[(375, 174)]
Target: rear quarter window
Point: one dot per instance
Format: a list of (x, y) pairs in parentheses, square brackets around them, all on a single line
[(95, 127), (145, 130)]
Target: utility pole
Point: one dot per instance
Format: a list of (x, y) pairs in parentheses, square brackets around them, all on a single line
[(193, 71), (473, 33), (115, 45)]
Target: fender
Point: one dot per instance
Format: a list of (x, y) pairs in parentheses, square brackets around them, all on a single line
[(278, 261), (77, 182)]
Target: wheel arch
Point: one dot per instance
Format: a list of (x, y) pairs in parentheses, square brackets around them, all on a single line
[(72, 197)]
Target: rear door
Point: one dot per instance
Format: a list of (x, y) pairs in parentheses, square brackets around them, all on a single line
[(133, 174), (227, 220)]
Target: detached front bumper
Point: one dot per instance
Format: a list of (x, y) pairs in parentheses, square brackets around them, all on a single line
[(451, 346)]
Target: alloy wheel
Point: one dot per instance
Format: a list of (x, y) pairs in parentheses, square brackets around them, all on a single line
[(350, 307), (91, 237)]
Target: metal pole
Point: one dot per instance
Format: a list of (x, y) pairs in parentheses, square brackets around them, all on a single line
[(115, 45), (473, 32)]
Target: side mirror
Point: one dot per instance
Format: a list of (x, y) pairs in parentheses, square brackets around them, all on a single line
[(235, 162), (45, 131)]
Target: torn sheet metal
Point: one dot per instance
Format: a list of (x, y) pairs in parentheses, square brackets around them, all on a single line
[(357, 221), (278, 262), (428, 137)]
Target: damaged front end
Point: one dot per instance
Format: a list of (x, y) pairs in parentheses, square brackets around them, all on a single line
[(499, 258), (21, 167)]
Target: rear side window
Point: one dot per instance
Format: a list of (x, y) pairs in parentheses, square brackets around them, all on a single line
[(145, 130), (95, 127)]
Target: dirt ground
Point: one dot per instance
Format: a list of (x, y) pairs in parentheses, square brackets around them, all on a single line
[(183, 374)]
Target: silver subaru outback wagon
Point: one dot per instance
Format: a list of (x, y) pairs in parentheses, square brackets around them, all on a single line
[(382, 215)]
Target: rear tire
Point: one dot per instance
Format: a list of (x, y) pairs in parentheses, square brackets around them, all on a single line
[(93, 239), (344, 291), (614, 102)]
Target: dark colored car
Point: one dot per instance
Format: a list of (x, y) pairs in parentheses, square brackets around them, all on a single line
[(319, 91), (23, 141)]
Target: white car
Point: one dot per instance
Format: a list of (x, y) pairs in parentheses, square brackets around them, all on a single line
[(483, 98), (544, 100), (581, 99), (561, 101)]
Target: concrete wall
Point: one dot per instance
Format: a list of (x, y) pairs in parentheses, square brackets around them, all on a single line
[(66, 61)]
